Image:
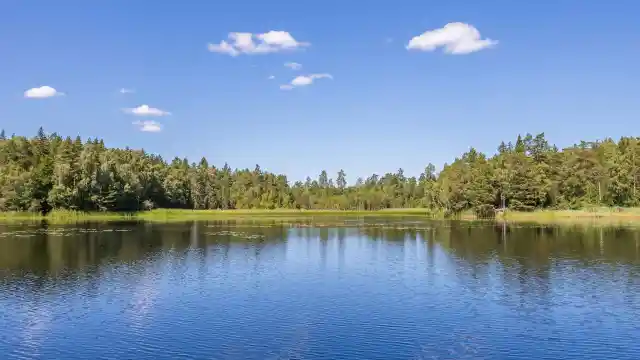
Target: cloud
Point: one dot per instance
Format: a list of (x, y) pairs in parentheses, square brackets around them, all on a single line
[(126, 91), (293, 65), (224, 48), (42, 92), (304, 80), (146, 110), (248, 43), (271, 77), (148, 126), (455, 38)]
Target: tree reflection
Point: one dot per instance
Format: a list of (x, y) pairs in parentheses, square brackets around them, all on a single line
[(524, 259)]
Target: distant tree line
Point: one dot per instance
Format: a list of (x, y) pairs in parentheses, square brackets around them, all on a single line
[(48, 172)]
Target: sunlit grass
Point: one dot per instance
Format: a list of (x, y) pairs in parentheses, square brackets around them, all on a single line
[(596, 215), (18, 215), (281, 214), (61, 216), (64, 216)]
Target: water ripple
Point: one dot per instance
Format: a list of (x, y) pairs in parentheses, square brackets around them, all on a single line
[(410, 290)]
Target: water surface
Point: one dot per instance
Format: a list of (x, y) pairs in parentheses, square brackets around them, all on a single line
[(340, 289)]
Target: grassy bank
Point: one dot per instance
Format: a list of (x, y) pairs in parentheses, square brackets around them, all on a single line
[(587, 216), (174, 214), (13, 215), (600, 215), (182, 214), (64, 215)]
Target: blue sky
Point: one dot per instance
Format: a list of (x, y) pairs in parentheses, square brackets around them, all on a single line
[(568, 68)]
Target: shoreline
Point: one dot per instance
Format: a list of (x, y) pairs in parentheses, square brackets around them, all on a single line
[(596, 216), (183, 214), (586, 216)]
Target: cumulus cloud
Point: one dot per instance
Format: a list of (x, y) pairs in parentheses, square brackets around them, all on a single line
[(126, 91), (293, 65), (146, 110), (249, 43), (224, 48), (148, 126), (304, 80), (455, 38), (42, 92)]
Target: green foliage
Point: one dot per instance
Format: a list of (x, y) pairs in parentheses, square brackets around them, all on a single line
[(48, 172)]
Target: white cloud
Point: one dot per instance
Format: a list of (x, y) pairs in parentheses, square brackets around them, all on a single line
[(280, 39), (126, 91), (248, 43), (223, 48), (293, 65), (42, 92), (455, 38), (271, 77), (148, 126), (304, 80), (146, 110)]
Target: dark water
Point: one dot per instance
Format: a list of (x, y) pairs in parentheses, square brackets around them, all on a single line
[(336, 290)]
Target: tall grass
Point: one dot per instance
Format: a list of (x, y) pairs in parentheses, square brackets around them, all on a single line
[(19, 215), (168, 214), (599, 215), (186, 214), (71, 215), (64, 216)]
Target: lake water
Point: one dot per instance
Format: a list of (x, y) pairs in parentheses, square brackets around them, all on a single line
[(340, 289)]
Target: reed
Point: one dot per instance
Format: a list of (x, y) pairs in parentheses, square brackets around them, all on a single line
[(584, 216), (598, 215)]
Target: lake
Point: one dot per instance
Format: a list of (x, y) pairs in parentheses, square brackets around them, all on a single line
[(371, 288)]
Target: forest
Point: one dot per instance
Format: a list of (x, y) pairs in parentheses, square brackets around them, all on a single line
[(48, 171)]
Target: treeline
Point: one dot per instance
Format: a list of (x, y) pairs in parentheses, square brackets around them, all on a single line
[(48, 172)]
